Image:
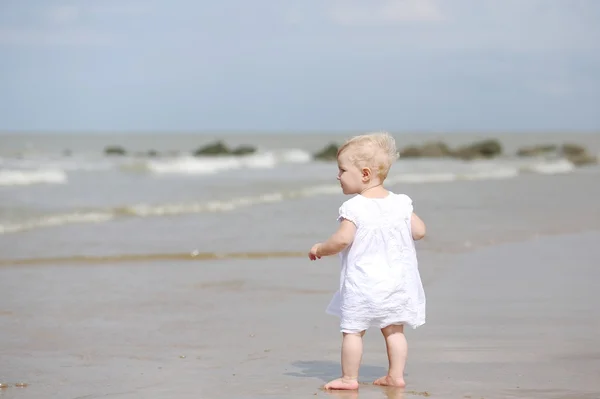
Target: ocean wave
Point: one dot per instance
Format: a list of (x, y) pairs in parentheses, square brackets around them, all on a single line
[(148, 210), (494, 174), (72, 164), (462, 172), (184, 208), (56, 220), (491, 173), (558, 166), (174, 165), (12, 177), (190, 165)]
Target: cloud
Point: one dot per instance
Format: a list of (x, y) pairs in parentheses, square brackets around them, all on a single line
[(381, 12)]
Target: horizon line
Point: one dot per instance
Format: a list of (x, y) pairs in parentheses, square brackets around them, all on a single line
[(9, 132)]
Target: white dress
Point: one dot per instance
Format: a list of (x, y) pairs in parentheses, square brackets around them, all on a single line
[(380, 282)]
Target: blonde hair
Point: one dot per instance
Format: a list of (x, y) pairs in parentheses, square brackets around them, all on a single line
[(375, 150)]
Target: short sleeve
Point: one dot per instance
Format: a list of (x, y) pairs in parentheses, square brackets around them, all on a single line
[(406, 205), (346, 212)]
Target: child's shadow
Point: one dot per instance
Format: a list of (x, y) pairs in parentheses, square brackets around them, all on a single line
[(328, 371)]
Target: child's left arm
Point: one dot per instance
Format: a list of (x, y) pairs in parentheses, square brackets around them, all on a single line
[(336, 243)]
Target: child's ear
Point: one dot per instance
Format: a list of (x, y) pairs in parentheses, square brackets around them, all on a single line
[(366, 174)]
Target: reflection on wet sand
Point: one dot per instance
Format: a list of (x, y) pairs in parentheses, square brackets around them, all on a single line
[(385, 392)]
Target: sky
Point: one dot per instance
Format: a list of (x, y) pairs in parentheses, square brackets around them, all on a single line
[(299, 65)]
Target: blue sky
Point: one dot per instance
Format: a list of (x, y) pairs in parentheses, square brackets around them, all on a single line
[(402, 65)]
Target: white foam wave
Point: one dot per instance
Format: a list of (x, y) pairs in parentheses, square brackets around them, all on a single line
[(68, 164), (11, 177), (144, 210), (190, 165), (56, 220), (550, 167), (492, 174), (422, 178), (430, 172), (295, 156), (473, 171), (173, 209)]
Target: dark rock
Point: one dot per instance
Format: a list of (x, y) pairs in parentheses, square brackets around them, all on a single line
[(244, 150), (411, 151), (578, 155), (582, 159), (152, 153), (537, 150), (428, 150), (574, 153), (216, 148), (438, 149), (573, 149), (114, 150), (219, 148), (481, 149), (328, 153)]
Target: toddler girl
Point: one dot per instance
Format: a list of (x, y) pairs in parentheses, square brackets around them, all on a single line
[(380, 284)]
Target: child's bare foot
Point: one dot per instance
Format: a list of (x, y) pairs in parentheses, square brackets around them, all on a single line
[(342, 383), (390, 381)]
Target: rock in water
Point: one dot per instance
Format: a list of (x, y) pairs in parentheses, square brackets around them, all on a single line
[(537, 150), (482, 149), (216, 148), (114, 150), (219, 148), (573, 149), (436, 149), (578, 155), (329, 153), (244, 150)]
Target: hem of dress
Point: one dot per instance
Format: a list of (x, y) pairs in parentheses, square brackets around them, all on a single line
[(412, 325)]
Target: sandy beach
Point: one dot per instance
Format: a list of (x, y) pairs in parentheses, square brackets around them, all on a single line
[(517, 320)]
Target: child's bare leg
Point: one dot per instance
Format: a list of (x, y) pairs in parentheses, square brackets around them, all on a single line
[(352, 349), (397, 350)]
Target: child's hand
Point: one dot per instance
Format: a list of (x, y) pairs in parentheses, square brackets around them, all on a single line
[(312, 255)]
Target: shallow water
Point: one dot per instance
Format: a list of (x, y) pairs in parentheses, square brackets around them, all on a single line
[(276, 200)]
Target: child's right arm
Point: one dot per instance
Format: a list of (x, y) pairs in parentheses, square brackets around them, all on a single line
[(417, 226)]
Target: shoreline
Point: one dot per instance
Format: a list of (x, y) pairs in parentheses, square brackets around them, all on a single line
[(196, 256)]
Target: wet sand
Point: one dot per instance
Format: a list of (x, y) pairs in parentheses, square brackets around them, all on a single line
[(517, 320)]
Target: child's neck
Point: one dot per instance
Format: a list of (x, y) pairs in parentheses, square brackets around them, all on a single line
[(375, 191)]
